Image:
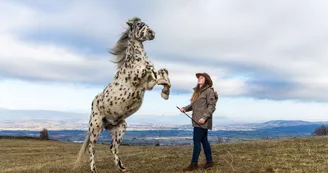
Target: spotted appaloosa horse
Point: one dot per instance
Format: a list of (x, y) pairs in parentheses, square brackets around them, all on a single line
[(124, 95)]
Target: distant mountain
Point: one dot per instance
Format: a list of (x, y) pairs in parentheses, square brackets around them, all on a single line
[(58, 120), (271, 124), (287, 123), (283, 123), (36, 119)]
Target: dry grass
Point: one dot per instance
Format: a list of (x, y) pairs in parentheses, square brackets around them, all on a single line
[(285, 155)]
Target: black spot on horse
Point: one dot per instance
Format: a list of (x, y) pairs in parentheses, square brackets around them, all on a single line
[(120, 164)]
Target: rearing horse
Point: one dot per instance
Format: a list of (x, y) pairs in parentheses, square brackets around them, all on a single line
[(124, 95)]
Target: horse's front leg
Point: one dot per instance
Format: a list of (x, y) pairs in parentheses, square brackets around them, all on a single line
[(163, 79), (151, 77)]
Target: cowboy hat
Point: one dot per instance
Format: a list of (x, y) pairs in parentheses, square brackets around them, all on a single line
[(208, 79)]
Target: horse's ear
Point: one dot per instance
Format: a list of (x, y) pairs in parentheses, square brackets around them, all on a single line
[(130, 23)]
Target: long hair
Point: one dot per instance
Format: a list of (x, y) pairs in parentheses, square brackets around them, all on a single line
[(196, 94), (119, 50)]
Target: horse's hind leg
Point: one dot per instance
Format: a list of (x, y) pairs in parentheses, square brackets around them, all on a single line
[(117, 133), (95, 128)]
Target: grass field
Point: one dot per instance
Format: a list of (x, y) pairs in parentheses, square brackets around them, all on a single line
[(306, 155)]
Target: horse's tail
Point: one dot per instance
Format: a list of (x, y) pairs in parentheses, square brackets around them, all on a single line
[(78, 162)]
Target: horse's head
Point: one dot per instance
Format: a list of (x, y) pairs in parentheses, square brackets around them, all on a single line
[(140, 31)]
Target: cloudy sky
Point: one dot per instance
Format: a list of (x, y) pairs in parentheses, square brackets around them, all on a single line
[(268, 59)]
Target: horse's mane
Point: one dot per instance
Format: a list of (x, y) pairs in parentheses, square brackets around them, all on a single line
[(119, 50)]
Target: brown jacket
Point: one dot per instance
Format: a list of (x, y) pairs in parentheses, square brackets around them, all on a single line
[(203, 107)]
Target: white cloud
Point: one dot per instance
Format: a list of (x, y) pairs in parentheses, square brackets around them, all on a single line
[(50, 62), (246, 109), (16, 94), (98, 20), (283, 38), (20, 95), (23, 59), (182, 77), (54, 62)]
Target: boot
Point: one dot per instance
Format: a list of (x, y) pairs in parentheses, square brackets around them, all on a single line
[(191, 167), (208, 165)]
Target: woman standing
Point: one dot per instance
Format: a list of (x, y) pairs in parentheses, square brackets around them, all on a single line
[(203, 102)]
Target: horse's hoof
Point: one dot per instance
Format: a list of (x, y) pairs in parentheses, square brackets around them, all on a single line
[(165, 96), (164, 82), (125, 170)]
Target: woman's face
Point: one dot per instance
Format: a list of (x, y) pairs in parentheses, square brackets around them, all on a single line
[(201, 80)]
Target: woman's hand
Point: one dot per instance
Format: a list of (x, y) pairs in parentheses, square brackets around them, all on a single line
[(182, 110), (201, 121)]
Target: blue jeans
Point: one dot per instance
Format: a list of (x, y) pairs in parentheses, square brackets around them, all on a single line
[(200, 137)]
